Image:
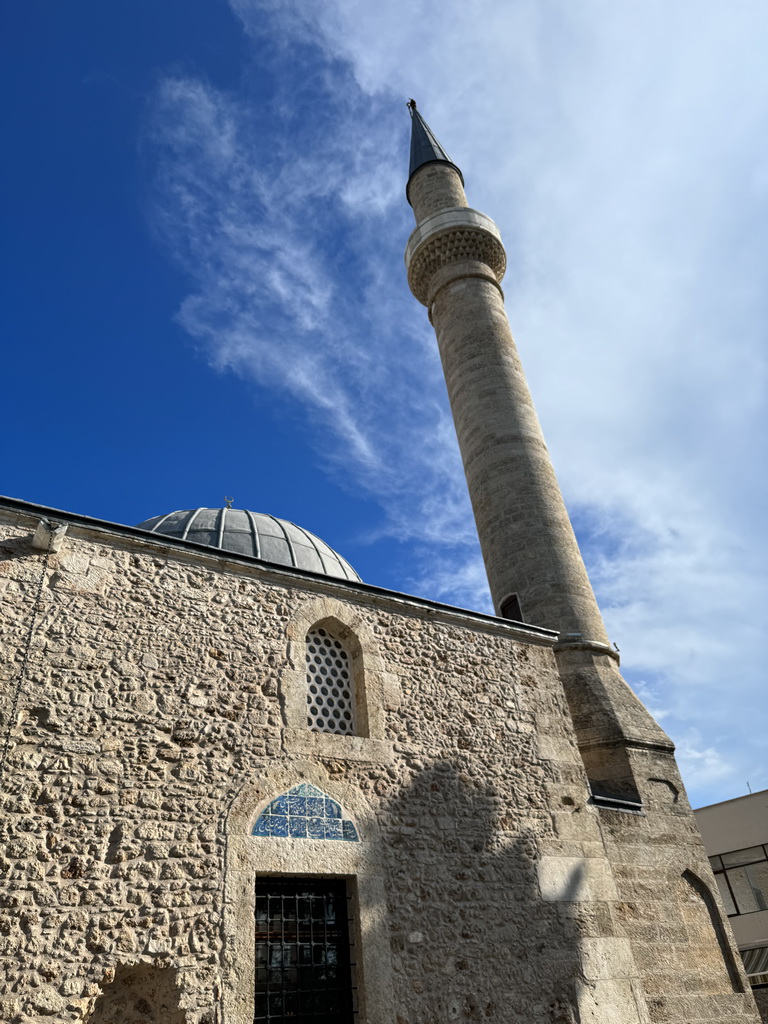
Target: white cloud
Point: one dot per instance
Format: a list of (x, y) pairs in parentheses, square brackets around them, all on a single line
[(622, 150), (262, 245), (703, 767)]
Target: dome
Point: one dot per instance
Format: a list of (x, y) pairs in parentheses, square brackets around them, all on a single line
[(254, 534)]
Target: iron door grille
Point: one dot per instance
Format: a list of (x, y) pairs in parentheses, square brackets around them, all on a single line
[(303, 963)]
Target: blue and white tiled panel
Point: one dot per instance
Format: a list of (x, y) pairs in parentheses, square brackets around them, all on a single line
[(305, 812)]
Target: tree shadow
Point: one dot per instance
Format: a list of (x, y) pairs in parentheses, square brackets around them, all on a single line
[(472, 938)]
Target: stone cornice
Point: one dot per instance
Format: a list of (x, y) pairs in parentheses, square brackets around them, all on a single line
[(391, 600)]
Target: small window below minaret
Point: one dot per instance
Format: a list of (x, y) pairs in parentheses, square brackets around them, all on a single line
[(330, 701), (510, 608)]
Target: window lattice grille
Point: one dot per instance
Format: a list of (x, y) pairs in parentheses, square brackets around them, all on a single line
[(304, 973), (330, 705)]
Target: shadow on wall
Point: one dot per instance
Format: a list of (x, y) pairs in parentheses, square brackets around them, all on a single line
[(471, 938), (139, 994)]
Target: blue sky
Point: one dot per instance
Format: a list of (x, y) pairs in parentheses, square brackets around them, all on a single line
[(204, 221)]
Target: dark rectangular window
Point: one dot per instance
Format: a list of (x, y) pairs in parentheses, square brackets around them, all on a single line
[(303, 963), (742, 877), (510, 608)]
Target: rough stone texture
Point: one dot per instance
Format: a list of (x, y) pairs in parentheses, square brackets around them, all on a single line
[(433, 188), (528, 543), (516, 499), (761, 998), (138, 994), (162, 707), (609, 720), (153, 728), (153, 696), (525, 533)]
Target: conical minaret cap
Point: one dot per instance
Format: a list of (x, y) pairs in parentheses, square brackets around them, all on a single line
[(425, 149)]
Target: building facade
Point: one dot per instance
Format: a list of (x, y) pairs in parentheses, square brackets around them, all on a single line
[(241, 785), (735, 834)]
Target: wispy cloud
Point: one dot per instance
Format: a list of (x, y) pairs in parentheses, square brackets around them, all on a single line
[(623, 151), (299, 287), (705, 767)]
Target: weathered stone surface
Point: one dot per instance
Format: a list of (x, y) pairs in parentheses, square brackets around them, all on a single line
[(160, 685), (154, 723)]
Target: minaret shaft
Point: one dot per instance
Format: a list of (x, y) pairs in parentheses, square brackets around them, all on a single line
[(643, 860), (525, 533), (435, 187), (456, 261)]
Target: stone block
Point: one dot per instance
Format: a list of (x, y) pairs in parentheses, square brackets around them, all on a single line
[(575, 879)]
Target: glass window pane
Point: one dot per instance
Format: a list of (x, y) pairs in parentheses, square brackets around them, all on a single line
[(758, 879), (733, 860), (742, 890), (716, 863), (755, 961), (725, 895)]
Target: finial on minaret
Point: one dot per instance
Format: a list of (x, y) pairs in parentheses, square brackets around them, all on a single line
[(425, 149)]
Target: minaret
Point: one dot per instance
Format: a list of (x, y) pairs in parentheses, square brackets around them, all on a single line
[(456, 261)]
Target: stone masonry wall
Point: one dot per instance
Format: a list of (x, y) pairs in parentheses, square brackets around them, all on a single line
[(152, 727)]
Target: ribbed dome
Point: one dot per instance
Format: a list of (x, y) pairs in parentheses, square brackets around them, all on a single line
[(255, 534)]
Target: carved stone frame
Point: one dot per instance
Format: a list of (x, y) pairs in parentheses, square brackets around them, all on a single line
[(374, 689), (249, 856)]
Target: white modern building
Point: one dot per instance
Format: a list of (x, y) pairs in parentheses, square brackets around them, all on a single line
[(735, 833)]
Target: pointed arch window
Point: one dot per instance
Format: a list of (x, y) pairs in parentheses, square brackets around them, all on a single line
[(330, 687)]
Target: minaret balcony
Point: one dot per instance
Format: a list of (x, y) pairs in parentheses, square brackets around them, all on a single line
[(454, 235)]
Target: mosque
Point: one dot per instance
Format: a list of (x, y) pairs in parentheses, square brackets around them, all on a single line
[(242, 786)]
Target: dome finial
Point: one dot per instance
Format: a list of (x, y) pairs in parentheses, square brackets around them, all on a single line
[(425, 149), (228, 501)]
